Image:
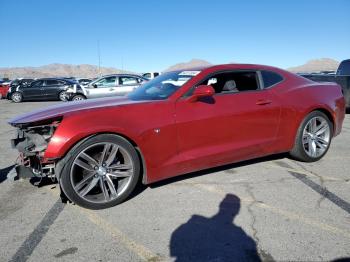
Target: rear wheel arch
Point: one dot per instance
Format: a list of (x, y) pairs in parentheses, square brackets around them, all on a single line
[(326, 112), (79, 94), (298, 150)]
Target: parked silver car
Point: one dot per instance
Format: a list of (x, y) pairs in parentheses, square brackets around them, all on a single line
[(109, 85)]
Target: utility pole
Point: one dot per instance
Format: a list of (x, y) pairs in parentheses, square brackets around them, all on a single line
[(99, 57), (122, 64)]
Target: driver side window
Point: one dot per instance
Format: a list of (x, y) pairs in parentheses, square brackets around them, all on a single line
[(233, 82), (106, 82)]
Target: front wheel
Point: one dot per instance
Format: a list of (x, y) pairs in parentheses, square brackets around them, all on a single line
[(17, 97), (101, 172), (313, 137)]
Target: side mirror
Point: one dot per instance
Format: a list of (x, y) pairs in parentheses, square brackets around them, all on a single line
[(94, 86), (202, 91)]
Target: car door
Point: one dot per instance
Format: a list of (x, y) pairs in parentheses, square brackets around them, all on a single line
[(52, 89), (126, 84), (102, 88), (231, 126), (33, 91)]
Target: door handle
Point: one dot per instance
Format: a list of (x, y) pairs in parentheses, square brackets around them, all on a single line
[(262, 102)]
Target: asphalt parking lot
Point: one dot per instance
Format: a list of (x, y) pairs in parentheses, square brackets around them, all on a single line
[(273, 209)]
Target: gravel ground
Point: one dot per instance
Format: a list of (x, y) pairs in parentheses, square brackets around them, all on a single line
[(270, 209)]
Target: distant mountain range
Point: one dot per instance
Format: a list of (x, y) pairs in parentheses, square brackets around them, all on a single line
[(316, 65), (90, 71), (190, 64), (58, 70)]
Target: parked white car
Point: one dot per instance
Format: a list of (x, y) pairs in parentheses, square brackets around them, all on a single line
[(109, 85)]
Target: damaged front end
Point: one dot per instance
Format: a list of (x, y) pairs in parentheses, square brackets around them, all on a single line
[(31, 142)]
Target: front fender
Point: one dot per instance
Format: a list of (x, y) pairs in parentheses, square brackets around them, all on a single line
[(76, 127)]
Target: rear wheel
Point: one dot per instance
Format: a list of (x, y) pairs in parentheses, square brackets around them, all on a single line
[(313, 137), (17, 97), (78, 98), (101, 172)]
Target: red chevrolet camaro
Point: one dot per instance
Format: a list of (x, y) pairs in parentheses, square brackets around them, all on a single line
[(179, 122)]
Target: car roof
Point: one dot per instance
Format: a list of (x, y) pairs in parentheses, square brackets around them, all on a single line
[(52, 78), (136, 75), (56, 78), (234, 67)]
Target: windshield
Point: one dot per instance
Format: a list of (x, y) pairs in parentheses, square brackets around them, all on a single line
[(163, 86)]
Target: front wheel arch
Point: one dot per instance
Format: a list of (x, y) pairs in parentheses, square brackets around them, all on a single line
[(61, 163)]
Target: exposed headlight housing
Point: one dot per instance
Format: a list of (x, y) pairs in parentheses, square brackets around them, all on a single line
[(33, 139)]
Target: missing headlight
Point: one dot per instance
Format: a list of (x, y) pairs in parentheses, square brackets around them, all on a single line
[(34, 139)]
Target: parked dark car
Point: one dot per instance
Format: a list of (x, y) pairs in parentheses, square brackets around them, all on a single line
[(341, 77), (42, 89), (5, 87)]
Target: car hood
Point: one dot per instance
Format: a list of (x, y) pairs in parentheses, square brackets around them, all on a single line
[(60, 110)]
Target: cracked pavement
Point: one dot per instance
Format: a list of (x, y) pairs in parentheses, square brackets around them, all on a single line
[(277, 208)]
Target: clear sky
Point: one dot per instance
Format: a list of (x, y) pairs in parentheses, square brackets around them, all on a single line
[(152, 35)]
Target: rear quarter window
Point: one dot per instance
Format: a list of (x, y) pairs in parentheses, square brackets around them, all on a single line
[(270, 78)]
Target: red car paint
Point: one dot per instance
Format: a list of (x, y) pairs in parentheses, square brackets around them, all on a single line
[(177, 135), (3, 90)]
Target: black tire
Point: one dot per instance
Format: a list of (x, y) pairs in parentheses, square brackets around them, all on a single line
[(78, 98), (17, 97), (65, 176), (62, 96), (299, 152)]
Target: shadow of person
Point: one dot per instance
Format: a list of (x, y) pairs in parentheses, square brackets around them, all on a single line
[(215, 238)]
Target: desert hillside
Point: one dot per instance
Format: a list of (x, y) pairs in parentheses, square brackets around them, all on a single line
[(316, 65), (57, 70), (90, 71), (190, 64)]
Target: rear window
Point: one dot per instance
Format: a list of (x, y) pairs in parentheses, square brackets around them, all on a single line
[(270, 78), (52, 82)]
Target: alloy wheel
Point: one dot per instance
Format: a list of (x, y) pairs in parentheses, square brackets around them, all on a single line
[(101, 172), (78, 98), (16, 97), (316, 137), (63, 96)]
